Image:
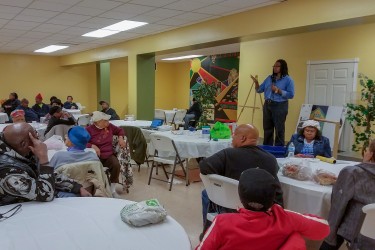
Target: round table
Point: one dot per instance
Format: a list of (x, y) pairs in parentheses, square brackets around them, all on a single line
[(85, 223)]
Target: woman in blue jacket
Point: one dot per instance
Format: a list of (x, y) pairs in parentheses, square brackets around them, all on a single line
[(309, 141)]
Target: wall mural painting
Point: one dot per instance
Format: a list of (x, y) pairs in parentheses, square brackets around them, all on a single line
[(222, 71)]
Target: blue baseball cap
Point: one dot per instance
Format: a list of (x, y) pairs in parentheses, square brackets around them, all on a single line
[(79, 136)]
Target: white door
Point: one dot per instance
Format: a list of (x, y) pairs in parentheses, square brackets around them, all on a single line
[(333, 83)]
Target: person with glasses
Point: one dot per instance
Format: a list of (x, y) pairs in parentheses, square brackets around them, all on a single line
[(278, 88)]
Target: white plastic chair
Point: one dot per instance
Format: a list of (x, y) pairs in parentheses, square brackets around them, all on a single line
[(221, 190), (178, 118), (165, 144), (160, 114), (368, 226), (150, 148), (84, 120)]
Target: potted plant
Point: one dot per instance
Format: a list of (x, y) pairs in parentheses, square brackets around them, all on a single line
[(361, 114), (205, 94)]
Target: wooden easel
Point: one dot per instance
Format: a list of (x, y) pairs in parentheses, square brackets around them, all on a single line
[(252, 107), (335, 149)]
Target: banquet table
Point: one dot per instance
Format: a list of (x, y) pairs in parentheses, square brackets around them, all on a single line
[(39, 127), (136, 123), (169, 114), (308, 196), (193, 145), (3, 117), (85, 223), (73, 111)]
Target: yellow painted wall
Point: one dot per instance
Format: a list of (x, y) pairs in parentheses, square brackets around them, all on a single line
[(257, 57), (172, 84), (119, 86), (28, 75)]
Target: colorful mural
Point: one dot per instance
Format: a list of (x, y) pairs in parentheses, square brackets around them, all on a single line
[(222, 71)]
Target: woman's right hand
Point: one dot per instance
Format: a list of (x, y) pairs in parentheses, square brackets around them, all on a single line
[(97, 150)]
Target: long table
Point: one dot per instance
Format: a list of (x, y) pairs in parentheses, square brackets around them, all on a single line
[(85, 223), (308, 196)]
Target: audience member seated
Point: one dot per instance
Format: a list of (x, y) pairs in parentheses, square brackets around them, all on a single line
[(102, 133), (58, 117), (30, 115), (354, 188), (76, 141), (109, 111), (39, 107), (11, 104), (17, 116), (69, 104), (309, 142), (231, 162), (261, 224), (54, 102), (194, 112), (25, 173)]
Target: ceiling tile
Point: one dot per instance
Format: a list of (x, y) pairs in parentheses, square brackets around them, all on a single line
[(47, 27), (245, 3), (194, 16), (17, 3), (100, 4), (97, 23), (43, 5), (80, 10), (3, 22), (20, 25), (186, 5), (36, 34), (165, 13), (10, 32), (8, 12), (147, 19), (154, 3), (75, 31), (174, 22), (216, 9), (118, 15), (31, 18), (39, 13), (133, 9), (68, 19), (60, 37), (68, 2)]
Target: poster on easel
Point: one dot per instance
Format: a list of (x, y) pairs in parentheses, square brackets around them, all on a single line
[(330, 113)]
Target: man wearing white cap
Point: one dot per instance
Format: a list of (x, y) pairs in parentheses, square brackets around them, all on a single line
[(309, 141), (102, 132)]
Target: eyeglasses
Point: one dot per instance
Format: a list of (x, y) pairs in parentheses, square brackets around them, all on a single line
[(11, 212)]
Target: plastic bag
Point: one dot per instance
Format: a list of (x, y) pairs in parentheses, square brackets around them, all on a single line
[(55, 142), (143, 213), (299, 170), (220, 131), (324, 177)]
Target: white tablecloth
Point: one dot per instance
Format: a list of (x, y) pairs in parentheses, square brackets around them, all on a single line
[(192, 145), (4, 117), (137, 123), (308, 196), (85, 223), (39, 127), (73, 111)]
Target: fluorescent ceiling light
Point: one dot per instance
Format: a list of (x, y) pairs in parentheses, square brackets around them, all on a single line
[(180, 57), (101, 33), (114, 28), (124, 25), (51, 48)]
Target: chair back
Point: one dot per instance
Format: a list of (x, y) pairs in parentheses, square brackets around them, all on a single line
[(368, 226), (60, 130), (179, 116), (162, 143), (222, 190), (160, 114), (79, 105), (84, 120)]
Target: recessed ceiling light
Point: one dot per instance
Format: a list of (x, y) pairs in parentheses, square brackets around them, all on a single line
[(180, 57), (101, 33), (115, 28), (51, 48)]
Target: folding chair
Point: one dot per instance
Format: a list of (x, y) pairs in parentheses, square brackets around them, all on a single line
[(150, 149), (221, 190), (368, 226), (84, 120), (178, 118), (160, 114), (164, 144)]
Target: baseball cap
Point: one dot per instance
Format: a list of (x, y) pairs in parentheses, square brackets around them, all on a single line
[(101, 102), (257, 189), (79, 136), (97, 116)]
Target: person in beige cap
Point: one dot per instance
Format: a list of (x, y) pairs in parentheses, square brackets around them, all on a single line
[(309, 141), (109, 111), (102, 132)]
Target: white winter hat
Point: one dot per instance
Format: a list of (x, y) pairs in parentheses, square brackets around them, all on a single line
[(311, 123), (97, 116)]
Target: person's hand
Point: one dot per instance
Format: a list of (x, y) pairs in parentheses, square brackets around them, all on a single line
[(97, 150), (39, 149), (275, 89), (72, 107), (121, 142), (84, 193)]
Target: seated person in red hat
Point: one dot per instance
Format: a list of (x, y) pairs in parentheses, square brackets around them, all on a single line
[(59, 117), (261, 224), (17, 116), (39, 107), (30, 115)]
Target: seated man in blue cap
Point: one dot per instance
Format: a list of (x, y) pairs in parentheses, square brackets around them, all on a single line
[(261, 223)]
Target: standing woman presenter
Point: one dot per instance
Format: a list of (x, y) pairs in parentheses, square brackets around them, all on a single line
[(278, 88)]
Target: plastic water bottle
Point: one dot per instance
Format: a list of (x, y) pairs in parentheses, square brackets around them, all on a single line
[(291, 150)]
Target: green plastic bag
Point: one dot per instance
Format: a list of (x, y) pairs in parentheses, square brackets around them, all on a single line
[(220, 131)]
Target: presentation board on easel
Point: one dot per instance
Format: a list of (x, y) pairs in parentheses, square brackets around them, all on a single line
[(330, 113)]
